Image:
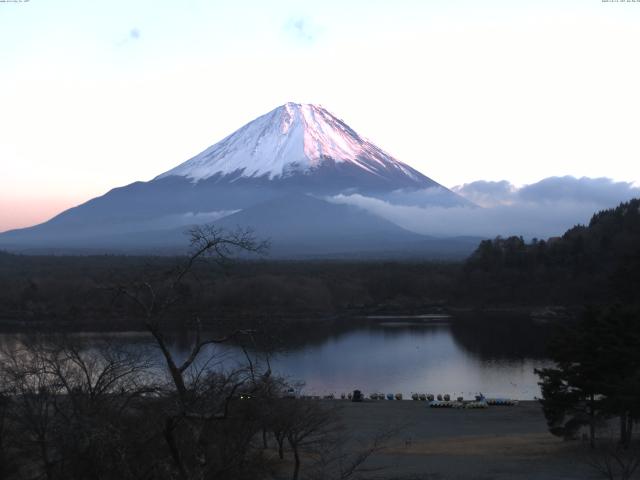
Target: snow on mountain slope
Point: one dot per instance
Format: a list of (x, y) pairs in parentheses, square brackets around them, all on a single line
[(293, 138), (297, 154)]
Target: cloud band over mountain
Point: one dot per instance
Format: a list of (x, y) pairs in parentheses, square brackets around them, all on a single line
[(542, 209)]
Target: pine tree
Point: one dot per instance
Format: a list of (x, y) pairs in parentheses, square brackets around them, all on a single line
[(597, 374)]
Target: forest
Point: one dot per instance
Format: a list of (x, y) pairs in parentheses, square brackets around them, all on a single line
[(594, 264)]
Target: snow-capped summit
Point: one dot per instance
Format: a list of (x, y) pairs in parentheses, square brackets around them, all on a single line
[(287, 175), (294, 139)]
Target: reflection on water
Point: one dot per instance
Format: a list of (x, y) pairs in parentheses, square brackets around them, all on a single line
[(400, 358), (458, 358)]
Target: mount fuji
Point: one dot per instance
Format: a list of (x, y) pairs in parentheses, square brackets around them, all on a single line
[(302, 146), (277, 175)]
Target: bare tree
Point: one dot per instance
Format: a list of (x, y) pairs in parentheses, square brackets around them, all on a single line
[(613, 461), (67, 406), (33, 411), (154, 300), (7, 465), (203, 396), (308, 423), (337, 458)]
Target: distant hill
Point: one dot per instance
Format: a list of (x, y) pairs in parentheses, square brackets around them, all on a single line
[(588, 264), (300, 225), (296, 225)]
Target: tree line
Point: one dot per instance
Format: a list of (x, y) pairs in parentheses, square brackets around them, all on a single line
[(598, 263), (69, 292)]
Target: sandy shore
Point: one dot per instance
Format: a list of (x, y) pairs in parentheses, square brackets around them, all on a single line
[(495, 443)]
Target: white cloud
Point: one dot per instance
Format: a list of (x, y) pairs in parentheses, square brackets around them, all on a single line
[(178, 220), (599, 191), (487, 193), (543, 209)]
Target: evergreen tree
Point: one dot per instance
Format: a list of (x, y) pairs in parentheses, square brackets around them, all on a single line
[(597, 374)]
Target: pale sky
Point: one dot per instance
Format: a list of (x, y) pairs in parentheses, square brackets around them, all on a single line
[(95, 95)]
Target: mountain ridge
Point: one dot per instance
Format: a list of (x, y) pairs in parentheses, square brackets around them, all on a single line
[(296, 149)]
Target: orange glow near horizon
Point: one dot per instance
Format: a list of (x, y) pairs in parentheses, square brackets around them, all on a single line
[(21, 212)]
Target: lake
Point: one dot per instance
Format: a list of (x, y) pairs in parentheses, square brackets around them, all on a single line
[(494, 356)]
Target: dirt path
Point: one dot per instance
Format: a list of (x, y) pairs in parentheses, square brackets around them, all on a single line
[(498, 443)]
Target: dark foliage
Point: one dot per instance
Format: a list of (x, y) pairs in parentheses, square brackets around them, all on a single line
[(598, 263), (71, 292), (597, 374), (72, 412)]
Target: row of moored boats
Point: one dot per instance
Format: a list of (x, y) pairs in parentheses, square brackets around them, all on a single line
[(434, 401)]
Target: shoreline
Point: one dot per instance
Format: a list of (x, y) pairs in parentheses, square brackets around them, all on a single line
[(428, 314)]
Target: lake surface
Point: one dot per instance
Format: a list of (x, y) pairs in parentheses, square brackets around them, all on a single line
[(394, 358), (496, 358)]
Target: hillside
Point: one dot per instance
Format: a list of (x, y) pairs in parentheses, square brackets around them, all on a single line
[(589, 264)]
